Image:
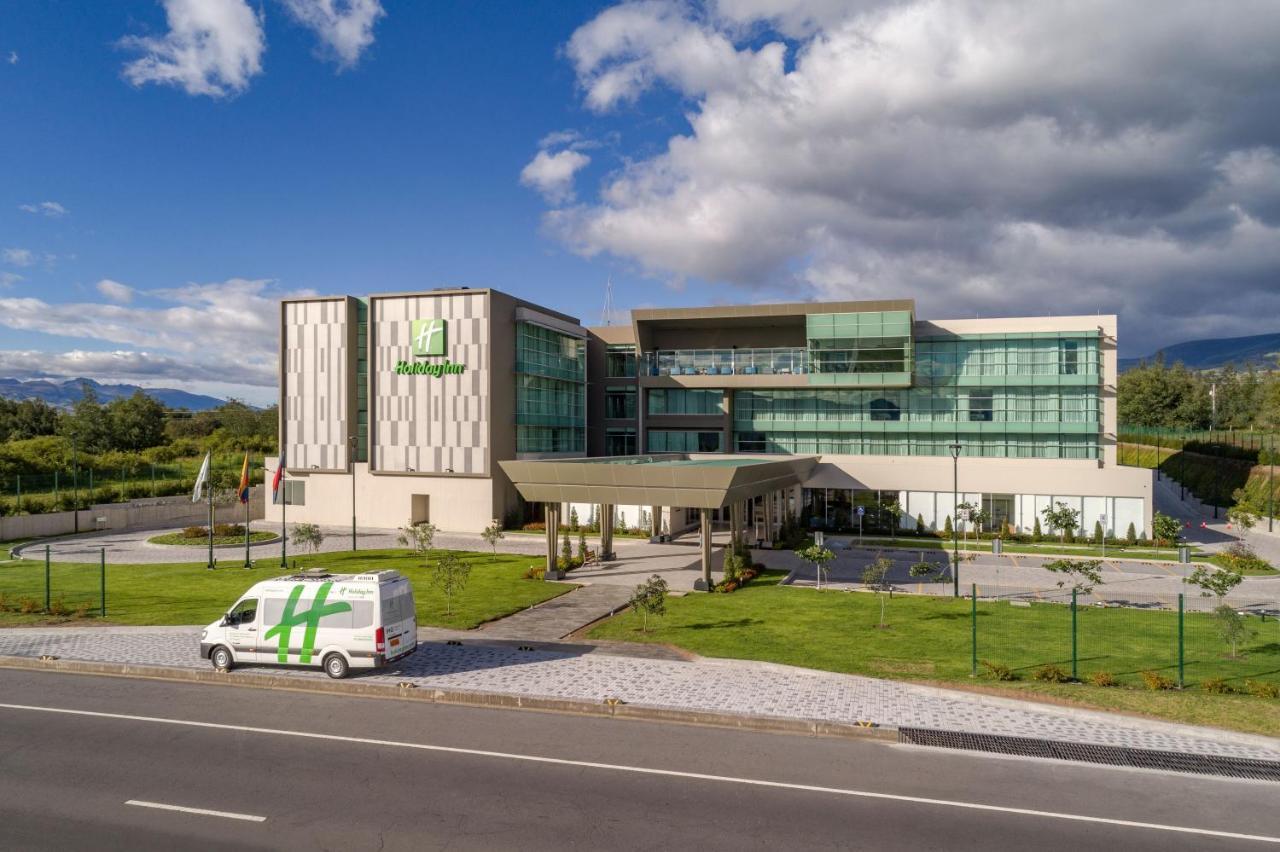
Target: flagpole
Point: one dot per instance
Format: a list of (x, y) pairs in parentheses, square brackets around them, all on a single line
[(284, 505), (247, 563), (209, 490)]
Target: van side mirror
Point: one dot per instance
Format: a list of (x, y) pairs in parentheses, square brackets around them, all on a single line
[(228, 620)]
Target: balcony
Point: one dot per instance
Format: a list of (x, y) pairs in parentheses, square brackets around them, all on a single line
[(782, 361)]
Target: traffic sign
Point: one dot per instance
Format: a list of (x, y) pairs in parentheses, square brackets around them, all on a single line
[(861, 511)]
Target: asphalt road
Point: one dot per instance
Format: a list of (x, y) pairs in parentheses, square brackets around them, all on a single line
[(286, 770)]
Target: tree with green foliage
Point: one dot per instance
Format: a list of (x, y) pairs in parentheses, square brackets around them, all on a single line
[(1061, 518), (1214, 582), (135, 423), (449, 574), (1037, 534), (1131, 535), (417, 537), (306, 535), (1098, 533), (566, 553), (921, 529), (573, 517), (947, 529), (1165, 529), (1084, 575), (492, 534), (1231, 626), (876, 578), (649, 598), (1244, 513), (28, 418), (582, 546), (817, 556)]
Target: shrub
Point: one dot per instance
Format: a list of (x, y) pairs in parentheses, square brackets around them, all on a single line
[(58, 607), (1036, 533), (535, 572), (1131, 535), (1103, 679), (228, 530), (1051, 674), (195, 532), (535, 526), (727, 586), (4, 602), (1157, 682), (1217, 686), (82, 609), (26, 606), (920, 527), (998, 671), (1262, 688)]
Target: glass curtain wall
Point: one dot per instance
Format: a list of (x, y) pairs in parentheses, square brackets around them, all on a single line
[(551, 415)]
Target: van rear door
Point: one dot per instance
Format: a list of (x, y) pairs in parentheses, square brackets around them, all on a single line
[(399, 619)]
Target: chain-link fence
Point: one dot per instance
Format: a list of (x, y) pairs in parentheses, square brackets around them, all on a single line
[(64, 490), (1114, 638)]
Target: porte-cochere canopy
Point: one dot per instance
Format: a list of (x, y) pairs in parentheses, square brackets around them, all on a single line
[(668, 479)]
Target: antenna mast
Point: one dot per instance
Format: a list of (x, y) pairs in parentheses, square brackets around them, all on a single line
[(606, 316)]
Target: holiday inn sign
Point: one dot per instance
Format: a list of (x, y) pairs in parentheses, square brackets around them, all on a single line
[(427, 339)]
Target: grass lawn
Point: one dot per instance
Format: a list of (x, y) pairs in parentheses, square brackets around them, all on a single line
[(928, 639), (203, 541), (187, 593)]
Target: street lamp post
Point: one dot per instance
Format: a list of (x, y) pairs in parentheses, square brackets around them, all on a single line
[(351, 444), (1271, 487), (75, 486), (955, 502)]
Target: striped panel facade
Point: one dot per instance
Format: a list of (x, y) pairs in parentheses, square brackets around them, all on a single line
[(423, 423), (316, 371)]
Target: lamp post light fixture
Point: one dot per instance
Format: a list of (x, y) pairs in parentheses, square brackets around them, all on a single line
[(955, 503), (351, 444)]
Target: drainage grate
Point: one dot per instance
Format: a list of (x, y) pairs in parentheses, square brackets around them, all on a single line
[(1171, 761)]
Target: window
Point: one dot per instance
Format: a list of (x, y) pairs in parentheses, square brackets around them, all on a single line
[(673, 441), (620, 361), (543, 352), (980, 405), (395, 609), (620, 403), (620, 442), (292, 492), (684, 401), (245, 612), (1070, 357), (883, 409)]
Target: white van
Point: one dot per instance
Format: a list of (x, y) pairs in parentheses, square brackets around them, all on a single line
[(336, 621)]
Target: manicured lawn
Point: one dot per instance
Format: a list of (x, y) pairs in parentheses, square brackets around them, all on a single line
[(189, 594), (180, 539), (929, 639)]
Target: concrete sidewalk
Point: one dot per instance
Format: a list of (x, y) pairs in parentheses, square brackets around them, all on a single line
[(721, 688)]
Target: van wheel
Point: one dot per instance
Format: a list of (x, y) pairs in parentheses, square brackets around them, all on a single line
[(222, 659), (335, 666)]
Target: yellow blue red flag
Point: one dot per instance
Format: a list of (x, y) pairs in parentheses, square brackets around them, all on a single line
[(244, 480)]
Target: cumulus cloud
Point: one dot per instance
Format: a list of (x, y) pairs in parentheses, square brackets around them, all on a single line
[(52, 209), (213, 47), (202, 326), (13, 57), (345, 27), (115, 291), (8, 279), (128, 365), (997, 157), (20, 256), (552, 174)]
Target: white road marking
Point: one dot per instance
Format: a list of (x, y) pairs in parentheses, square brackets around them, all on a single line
[(667, 773), (160, 806)]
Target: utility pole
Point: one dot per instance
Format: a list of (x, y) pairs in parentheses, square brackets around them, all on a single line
[(351, 443)]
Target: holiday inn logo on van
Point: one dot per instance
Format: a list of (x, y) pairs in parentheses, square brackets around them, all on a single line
[(311, 618)]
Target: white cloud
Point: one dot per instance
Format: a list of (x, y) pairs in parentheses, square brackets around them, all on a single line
[(52, 209), (127, 365), (213, 47), (345, 27), (8, 279), (19, 256), (552, 174), (13, 57), (995, 157), (204, 326), (115, 291)]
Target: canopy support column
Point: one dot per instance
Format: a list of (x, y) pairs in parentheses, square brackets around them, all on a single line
[(607, 522), (553, 540), (655, 521), (703, 583)]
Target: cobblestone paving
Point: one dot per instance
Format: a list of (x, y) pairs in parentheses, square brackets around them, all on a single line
[(708, 685)]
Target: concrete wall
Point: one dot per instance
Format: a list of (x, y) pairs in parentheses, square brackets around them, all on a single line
[(150, 513), (454, 504)]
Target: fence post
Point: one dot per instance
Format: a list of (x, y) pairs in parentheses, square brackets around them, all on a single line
[(19, 492), (46, 578), (102, 574), (1181, 642), (1075, 657), (973, 629)]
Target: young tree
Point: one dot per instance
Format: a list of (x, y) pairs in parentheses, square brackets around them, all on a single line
[(1061, 518), (920, 527), (450, 574), (1036, 533), (573, 517), (947, 529), (492, 534), (876, 578), (417, 537), (649, 598), (1213, 581), (306, 535), (566, 553), (817, 556), (1084, 575), (1243, 514), (1098, 532), (1232, 627), (927, 570), (1131, 535), (1165, 529), (894, 512), (582, 546)]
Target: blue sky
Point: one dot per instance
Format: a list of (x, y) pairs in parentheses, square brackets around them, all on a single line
[(695, 153)]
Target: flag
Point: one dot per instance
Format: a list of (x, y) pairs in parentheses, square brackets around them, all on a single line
[(201, 478), (275, 480), (244, 480)]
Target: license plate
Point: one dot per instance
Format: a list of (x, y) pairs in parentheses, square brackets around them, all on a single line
[(395, 642)]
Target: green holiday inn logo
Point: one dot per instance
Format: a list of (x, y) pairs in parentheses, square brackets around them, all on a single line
[(309, 620), (427, 339)]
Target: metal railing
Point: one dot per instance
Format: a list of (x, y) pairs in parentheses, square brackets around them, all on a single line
[(788, 360)]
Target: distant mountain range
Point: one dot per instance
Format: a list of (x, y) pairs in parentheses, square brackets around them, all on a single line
[(1259, 350), (64, 394)]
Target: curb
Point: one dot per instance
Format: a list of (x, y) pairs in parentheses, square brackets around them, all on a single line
[(464, 698)]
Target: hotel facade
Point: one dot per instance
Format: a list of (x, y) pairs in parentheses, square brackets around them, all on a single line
[(418, 407)]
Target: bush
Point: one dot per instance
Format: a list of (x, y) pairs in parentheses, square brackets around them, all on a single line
[(1217, 686), (1051, 674), (4, 602), (998, 671), (1262, 688), (82, 609), (26, 606), (1157, 682), (1103, 679), (536, 572), (195, 532), (535, 526), (58, 607), (1131, 535), (228, 530)]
